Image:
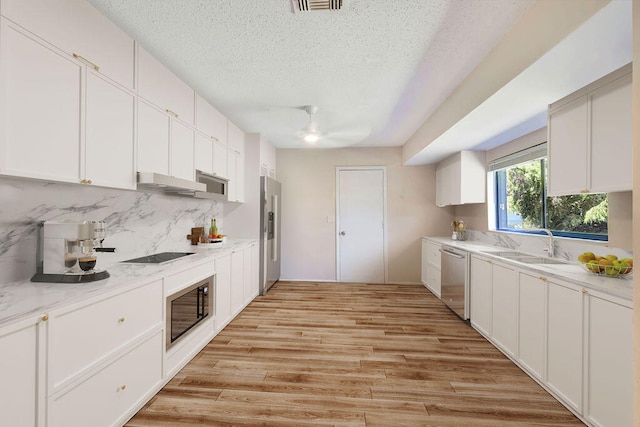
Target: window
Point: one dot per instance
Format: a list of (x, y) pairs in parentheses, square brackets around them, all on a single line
[(522, 202)]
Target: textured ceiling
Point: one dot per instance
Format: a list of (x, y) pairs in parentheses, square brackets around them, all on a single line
[(376, 70)]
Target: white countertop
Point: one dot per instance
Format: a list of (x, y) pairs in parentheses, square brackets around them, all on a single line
[(25, 299), (617, 287)]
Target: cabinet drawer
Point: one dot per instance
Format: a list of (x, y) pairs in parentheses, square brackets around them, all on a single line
[(80, 338), (433, 254), (193, 274), (109, 395)]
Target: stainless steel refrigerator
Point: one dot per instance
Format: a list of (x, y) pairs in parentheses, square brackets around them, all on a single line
[(270, 233)]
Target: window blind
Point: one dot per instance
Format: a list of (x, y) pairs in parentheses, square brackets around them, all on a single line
[(532, 153)]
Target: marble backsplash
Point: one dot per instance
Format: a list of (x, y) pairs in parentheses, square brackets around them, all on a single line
[(138, 223), (568, 249)]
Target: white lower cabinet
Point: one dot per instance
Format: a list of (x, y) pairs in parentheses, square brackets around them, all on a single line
[(564, 343), (431, 267), (107, 397), (82, 338), (21, 373), (251, 273), (223, 292), (237, 282), (576, 342), (531, 323), (504, 319), (481, 294), (104, 357), (609, 363)]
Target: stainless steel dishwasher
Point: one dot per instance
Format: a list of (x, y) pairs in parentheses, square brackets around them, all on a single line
[(455, 280)]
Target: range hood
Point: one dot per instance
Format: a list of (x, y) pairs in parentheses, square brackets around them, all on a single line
[(166, 183), (206, 186)]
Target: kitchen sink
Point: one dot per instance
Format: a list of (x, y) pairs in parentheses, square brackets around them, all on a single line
[(507, 254), (525, 258), (538, 260)]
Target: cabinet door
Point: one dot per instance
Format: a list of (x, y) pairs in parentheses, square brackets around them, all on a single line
[(220, 162), (18, 368), (564, 343), (531, 323), (109, 159), (76, 27), (255, 270), (237, 282), (481, 290), (611, 137), (609, 400), (223, 291), (240, 182), (40, 110), (231, 174), (567, 148), (210, 121), (235, 138), (158, 84), (505, 308), (247, 275), (107, 396), (204, 153), (425, 261), (153, 139), (182, 151)]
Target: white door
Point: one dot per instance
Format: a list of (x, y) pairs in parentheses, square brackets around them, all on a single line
[(361, 217)]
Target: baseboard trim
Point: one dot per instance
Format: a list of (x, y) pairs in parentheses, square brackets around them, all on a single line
[(335, 281)]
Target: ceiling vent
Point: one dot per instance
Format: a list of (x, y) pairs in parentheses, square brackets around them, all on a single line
[(317, 5)]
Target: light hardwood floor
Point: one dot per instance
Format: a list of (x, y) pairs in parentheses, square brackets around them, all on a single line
[(351, 355)]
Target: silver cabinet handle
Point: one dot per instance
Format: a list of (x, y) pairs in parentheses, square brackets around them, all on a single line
[(342, 233), (451, 254)]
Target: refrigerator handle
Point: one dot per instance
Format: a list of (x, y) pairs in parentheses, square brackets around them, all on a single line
[(276, 232)]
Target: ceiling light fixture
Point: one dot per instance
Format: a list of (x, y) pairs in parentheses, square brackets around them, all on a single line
[(310, 133)]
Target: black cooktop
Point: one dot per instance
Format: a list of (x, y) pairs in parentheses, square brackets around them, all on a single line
[(159, 258)]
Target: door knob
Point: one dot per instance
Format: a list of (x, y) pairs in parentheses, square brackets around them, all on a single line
[(342, 233)]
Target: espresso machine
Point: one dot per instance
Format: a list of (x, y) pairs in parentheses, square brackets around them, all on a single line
[(67, 251)]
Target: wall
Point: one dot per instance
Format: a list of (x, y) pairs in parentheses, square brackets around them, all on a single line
[(620, 204), (138, 223), (513, 54), (308, 204)]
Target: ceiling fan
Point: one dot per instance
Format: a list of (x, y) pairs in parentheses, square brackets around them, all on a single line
[(310, 133)]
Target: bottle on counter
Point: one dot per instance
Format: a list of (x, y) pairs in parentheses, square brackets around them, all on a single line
[(213, 230)]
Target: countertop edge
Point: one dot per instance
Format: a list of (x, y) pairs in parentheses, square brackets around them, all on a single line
[(80, 293), (618, 290)]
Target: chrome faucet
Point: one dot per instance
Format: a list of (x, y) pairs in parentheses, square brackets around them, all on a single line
[(549, 249)]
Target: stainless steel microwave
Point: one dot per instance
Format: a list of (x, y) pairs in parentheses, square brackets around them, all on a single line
[(187, 308)]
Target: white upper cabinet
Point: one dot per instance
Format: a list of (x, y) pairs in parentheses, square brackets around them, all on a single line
[(204, 153), (109, 148), (40, 111), (157, 84), (62, 120), (461, 178), (267, 159), (235, 161), (235, 138), (182, 151), (77, 28), (590, 138), (210, 121), (153, 139)]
